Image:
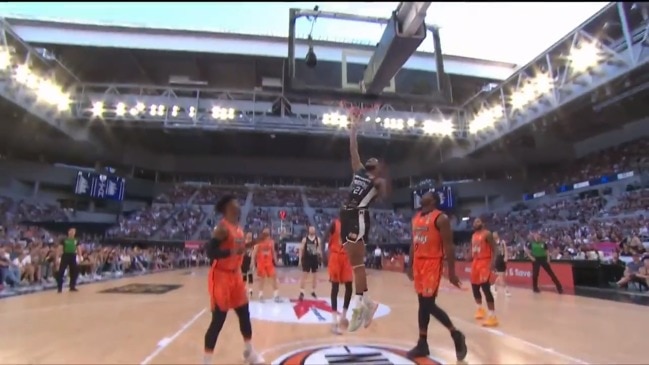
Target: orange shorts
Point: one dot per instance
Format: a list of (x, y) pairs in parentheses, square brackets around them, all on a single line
[(481, 271), (265, 269), (340, 270), (427, 274), (227, 289)]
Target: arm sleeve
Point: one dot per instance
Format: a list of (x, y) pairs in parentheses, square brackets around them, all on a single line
[(215, 251)]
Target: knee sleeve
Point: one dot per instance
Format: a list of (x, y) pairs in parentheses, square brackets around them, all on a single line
[(334, 296), (476, 292), (245, 326), (486, 289), (348, 295)]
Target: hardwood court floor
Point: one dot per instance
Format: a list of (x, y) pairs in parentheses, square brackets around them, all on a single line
[(91, 327)]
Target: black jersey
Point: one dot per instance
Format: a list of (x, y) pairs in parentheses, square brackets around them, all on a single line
[(311, 247), (362, 190)]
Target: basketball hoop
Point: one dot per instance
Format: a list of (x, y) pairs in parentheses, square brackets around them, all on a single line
[(356, 111)]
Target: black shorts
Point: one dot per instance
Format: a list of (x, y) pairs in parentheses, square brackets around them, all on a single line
[(501, 265), (310, 263), (354, 225)]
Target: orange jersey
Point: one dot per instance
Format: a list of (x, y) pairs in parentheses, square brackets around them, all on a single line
[(480, 247), (335, 246), (234, 240), (265, 251), (426, 236)]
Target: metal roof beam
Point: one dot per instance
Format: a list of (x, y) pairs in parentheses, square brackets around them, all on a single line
[(567, 82)]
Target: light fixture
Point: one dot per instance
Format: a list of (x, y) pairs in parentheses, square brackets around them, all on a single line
[(311, 60)]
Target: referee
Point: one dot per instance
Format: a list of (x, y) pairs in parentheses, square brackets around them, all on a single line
[(537, 251), (69, 261)]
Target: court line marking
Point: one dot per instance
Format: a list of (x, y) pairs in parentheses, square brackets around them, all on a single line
[(523, 341), (342, 341), (166, 341)]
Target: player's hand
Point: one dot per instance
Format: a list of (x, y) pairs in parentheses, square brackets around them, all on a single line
[(410, 274), (453, 279)]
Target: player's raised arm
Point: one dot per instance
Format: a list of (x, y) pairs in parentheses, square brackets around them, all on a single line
[(444, 226), (353, 145)]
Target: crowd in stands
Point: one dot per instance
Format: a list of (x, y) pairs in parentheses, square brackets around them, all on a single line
[(574, 225)]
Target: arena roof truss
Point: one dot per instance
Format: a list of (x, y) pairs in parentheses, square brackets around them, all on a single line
[(214, 109), (37, 84), (606, 47)]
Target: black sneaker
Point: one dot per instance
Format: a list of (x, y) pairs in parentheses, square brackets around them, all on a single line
[(74, 289), (313, 295), (560, 290), (537, 290), (460, 345), (301, 297), (420, 350), (59, 290)]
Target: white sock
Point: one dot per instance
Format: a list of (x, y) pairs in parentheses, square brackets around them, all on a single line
[(479, 306), (247, 346), (344, 314), (334, 317), (359, 300), (491, 313), (207, 359), (367, 299), (261, 294), (276, 293)]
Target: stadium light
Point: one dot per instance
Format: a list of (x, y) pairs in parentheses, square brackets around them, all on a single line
[(5, 59), (174, 111), (584, 56), (534, 89), (411, 123), (97, 109), (222, 113), (192, 112), (486, 119), (335, 120), (120, 109), (444, 128), (393, 124), (45, 90)]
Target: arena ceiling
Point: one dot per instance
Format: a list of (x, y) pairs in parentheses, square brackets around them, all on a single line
[(475, 30), (581, 119)]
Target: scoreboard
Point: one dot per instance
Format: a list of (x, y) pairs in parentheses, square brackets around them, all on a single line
[(445, 194), (100, 186)]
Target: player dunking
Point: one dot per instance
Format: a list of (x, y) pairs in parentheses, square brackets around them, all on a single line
[(263, 258), (366, 186), (309, 256), (246, 266), (483, 250), (225, 281), (340, 272), (432, 239)]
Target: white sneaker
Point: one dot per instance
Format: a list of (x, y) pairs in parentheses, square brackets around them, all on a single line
[(277, 299), (251, 357), (370, 311), (358, 318)]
